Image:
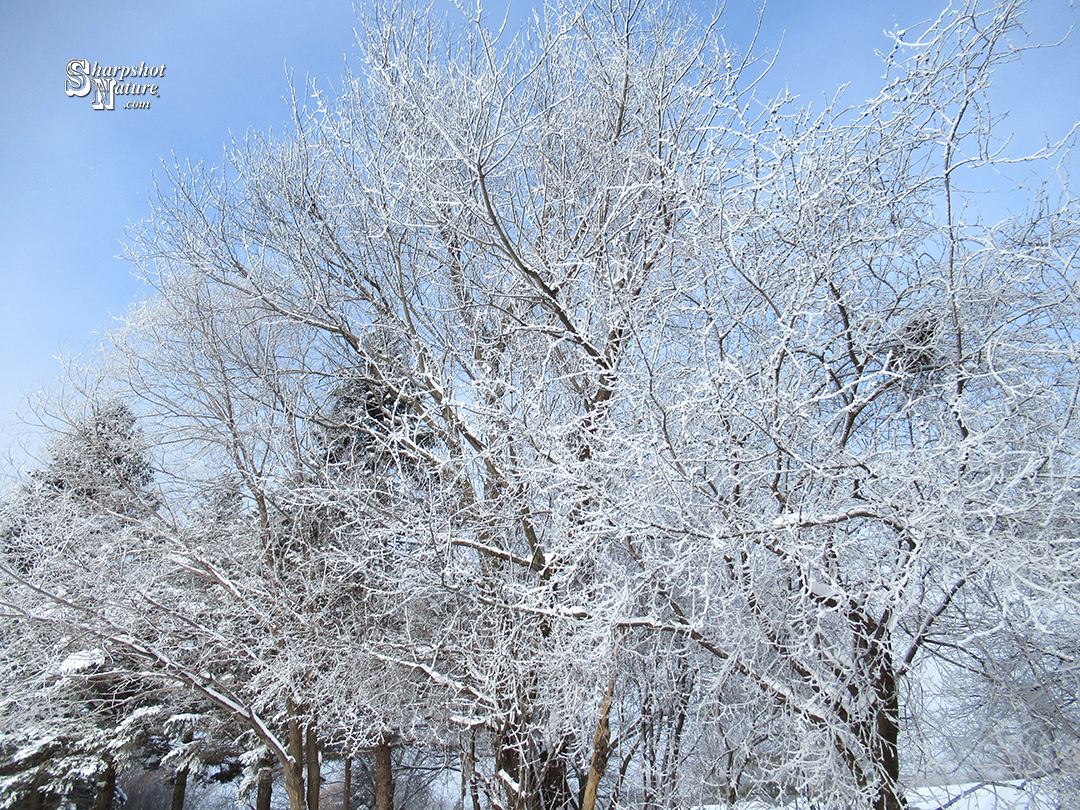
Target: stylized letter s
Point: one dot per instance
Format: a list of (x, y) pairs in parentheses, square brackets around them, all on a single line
[(78, 78)]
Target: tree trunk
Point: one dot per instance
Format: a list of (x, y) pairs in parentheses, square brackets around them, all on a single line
[(468, 774), (878, 730), (512, 766), (887, 737), (179, 788), (266, 785), (294, 764), (345, 796), (384, 775), (600, 750), (107, 787), (36, 799), (314, 779)]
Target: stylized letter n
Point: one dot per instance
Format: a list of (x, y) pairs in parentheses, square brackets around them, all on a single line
[(104, 88)]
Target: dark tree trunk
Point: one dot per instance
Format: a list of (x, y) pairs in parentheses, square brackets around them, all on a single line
[(314, 779), (180, 779), (348, 784), (384, 775), (878, 729), (179, 788), (469, 774), (266, 785), (106, 787), (294, 765), (36, 799), (538, 777), (887, 736)]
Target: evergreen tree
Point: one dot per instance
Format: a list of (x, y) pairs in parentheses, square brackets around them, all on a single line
[(100, 458), (67, 703)]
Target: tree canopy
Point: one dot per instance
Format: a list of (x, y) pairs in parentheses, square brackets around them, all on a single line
[(569, 409)]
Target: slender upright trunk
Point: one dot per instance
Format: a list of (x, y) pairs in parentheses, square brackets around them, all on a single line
[(314, 779), (179, 788), (107, 787), (600, 751), (510, 760), (180, 779), (878, 729), (36, 799), (266, 785), (294, 764), (887, 737), (384, 775), (348, 784), (469, 782)]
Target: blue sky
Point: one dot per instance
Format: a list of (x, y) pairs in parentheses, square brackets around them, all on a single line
[(73, 179)]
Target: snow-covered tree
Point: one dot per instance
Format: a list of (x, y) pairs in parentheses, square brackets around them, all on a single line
[(70, 710), (641, 438)]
